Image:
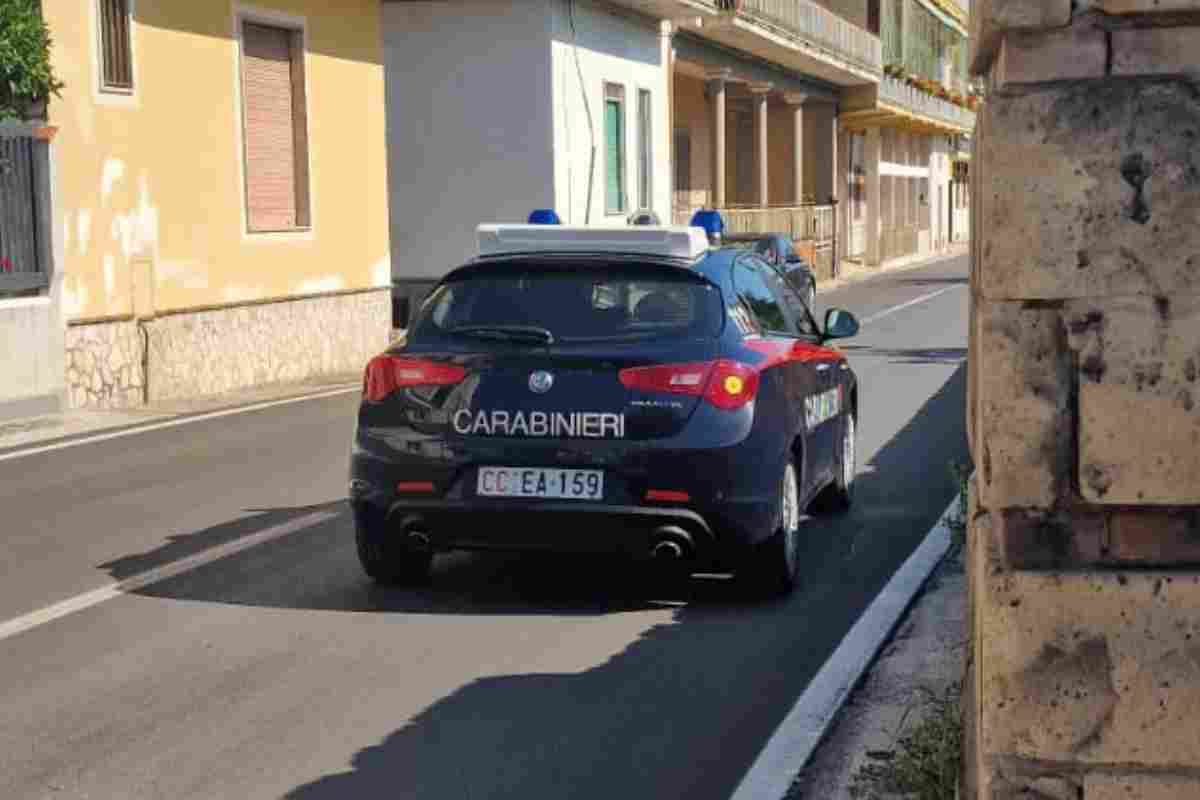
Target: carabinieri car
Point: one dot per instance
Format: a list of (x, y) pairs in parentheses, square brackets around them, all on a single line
[(632, 391)]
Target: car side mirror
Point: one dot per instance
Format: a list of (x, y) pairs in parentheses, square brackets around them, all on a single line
[(840, 324)]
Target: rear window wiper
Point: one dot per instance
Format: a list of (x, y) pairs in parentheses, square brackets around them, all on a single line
[(521, 333)]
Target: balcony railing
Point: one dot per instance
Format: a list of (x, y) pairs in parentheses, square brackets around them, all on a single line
[(806, 222), (808, 21), (912, 99)]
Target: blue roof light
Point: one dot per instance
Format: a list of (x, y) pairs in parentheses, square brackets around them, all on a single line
[(544, 216), (710, 220)]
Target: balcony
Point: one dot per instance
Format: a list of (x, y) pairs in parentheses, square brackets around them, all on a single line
[(893, 103), (799, 35), (817, 26)]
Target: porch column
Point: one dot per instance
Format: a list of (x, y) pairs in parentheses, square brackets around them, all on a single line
[(796, 101), (872, 151), (762, 93), (666, 32), (834, 193), (716, 90)]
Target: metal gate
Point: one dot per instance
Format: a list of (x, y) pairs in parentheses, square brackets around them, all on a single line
[(22, 255)]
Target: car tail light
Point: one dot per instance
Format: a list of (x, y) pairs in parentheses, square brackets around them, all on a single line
[(687, 379), (728, 385), (386, 374), (731, 385), (667, 496)]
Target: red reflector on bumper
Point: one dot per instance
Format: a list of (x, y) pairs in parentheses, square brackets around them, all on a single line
[(665, 496), (415, 487)]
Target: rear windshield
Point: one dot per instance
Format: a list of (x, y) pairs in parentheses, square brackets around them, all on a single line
[(589, 304)]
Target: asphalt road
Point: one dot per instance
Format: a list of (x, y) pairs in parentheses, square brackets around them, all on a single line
[(280, 671)]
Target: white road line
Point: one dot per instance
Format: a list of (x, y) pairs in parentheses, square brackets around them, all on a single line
[(177, 421), (887, 312), (795, 740), (88, 599)]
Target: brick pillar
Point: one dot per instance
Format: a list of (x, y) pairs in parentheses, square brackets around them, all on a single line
[(1084, 402)]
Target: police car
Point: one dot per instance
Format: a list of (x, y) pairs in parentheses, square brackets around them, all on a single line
[(632, 391)]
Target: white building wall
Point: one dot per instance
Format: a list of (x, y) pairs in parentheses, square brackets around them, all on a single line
[(612, 47), (939, 191), (470, 131)]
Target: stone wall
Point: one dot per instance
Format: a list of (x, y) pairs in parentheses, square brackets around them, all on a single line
[(201, 353), (105, 365), (1084, 402)]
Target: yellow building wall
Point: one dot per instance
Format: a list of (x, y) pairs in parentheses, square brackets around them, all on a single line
[(149, 188), (692, 114)]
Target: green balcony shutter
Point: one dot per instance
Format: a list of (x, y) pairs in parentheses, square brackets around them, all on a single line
[(614, 148)]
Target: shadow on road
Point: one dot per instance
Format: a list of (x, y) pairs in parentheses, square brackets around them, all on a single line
[(937, 355), (947, 280), (681, 712)]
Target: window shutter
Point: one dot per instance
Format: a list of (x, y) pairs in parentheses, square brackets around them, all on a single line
[(116, 45), (615, 156), (270, 128)]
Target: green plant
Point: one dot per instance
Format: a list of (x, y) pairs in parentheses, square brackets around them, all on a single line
[(26, 76), (957, 521), (925, 763)]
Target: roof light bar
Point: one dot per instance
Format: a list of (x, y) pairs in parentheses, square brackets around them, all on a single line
[(663, 241)]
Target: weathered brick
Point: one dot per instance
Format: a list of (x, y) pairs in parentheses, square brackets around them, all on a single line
[(1023, 421), (1071, 53), (1092, 191), (1091, 668), (1055, 540), (1156, 51), (1149, 537), (992, 19), (1139, 399), (1139, 787)]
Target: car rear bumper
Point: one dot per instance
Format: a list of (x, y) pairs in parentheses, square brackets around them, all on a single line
[(570, 527)]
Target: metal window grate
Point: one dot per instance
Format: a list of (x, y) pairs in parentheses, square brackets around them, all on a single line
[(21, 266), (116, 45)]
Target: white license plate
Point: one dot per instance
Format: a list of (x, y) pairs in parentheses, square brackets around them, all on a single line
[(554, 484)]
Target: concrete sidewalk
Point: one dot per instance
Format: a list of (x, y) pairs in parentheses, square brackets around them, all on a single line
[(856, 272), (924, 657), (43, 430)]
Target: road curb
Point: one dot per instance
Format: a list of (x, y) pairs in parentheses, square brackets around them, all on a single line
[(792, 745)]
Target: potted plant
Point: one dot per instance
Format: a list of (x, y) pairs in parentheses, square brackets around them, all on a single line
[(27, 78)]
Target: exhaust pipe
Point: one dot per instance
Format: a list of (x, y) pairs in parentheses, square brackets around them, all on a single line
[(416, 538), (667, 551), (671, 543)]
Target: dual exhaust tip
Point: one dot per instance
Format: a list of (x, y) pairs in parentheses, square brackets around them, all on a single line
[(671, 544)]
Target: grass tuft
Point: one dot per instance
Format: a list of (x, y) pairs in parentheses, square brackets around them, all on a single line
[(926, 760)]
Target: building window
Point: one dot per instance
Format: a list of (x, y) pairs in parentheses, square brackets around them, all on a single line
[(116, 46), (614, 148), (275, 128), (645, 151)]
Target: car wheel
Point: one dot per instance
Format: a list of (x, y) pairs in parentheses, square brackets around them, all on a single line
[(386, 560), (839, 495), (775, 564)]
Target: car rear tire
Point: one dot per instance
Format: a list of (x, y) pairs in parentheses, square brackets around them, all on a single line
[(774, 566), (839, 495), (385, 560)]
